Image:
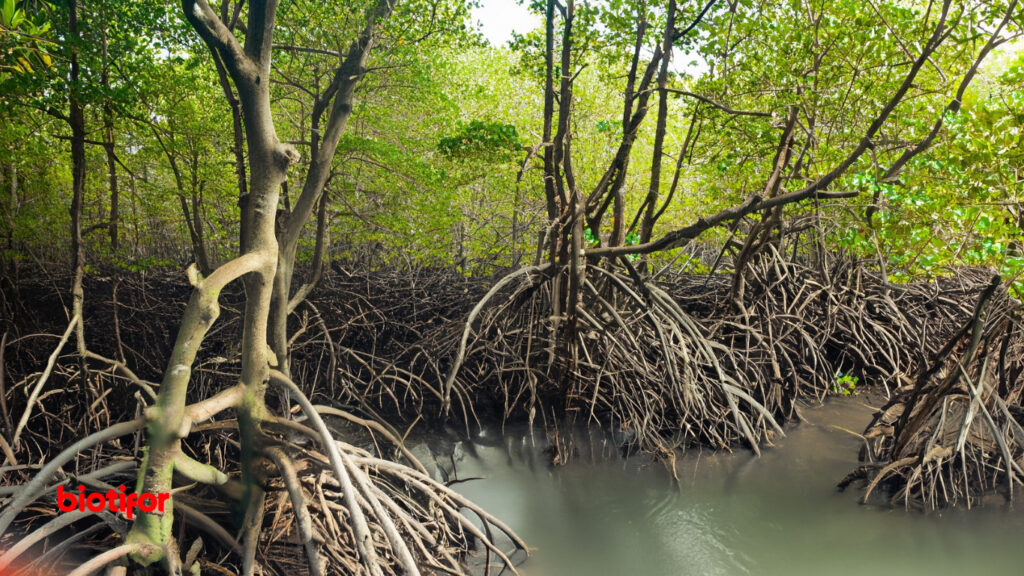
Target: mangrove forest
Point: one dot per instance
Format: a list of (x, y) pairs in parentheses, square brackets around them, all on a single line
[(511, 287)]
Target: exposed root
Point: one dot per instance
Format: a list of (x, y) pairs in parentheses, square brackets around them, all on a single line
[(330, 501), (686, 359), (955, 435)]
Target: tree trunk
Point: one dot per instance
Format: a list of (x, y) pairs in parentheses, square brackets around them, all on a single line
[(339, 96), (238, 147), (12, 214), (647, 224), (549, 114), (191, 215), (195, 231), (265, 268), (76, 119), (108, 148), (108, 145), (249, 67)]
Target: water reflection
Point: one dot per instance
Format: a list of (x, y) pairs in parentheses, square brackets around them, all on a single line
[(734, 514)]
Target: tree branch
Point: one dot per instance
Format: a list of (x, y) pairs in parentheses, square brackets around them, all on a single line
[(220, 39), (718, 105), (682, 236)]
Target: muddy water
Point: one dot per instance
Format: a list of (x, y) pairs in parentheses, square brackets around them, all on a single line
[(735, 514)]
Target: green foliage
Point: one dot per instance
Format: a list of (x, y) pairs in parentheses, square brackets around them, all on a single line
[(24, 43), (958, 204), (431, 166), (609, 126), (845, 384), (481, 137)]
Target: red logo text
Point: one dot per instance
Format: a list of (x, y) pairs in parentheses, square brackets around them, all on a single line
[(115, 501)]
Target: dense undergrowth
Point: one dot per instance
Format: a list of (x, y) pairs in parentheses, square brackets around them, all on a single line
[(674, 362)]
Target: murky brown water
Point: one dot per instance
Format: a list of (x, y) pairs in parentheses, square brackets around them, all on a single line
[(735, 514)]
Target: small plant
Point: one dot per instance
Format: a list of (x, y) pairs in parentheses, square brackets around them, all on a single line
[(845, 384)]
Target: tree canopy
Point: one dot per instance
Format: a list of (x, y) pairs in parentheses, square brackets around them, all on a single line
[(443, 161)]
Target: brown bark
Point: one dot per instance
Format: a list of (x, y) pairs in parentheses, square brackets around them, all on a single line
[(108, 145), (76, 120), (549, 113), (12, 213), (653, 191), (819, 187), (610, 188), (618, 235), (238, 148), (108, 148)]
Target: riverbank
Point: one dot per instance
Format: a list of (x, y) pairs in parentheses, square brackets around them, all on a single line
[(670, 367), (732, 514)]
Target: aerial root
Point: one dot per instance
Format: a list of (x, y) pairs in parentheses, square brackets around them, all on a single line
[(685, 359), (406, 519), (634, 357), (955, 435), (331, 499)]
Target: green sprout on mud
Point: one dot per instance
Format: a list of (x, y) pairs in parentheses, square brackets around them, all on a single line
[(845, 384)]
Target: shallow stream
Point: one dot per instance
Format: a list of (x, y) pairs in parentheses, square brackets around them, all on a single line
[(734, 513)]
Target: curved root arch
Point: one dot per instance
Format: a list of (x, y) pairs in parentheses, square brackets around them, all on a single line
[(632, 355), (955, 435), (329, 499)]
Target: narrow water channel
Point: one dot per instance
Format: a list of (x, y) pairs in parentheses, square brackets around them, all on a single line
[(734, 513)]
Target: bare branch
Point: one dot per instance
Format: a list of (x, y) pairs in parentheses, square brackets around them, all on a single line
[(718, 105)]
